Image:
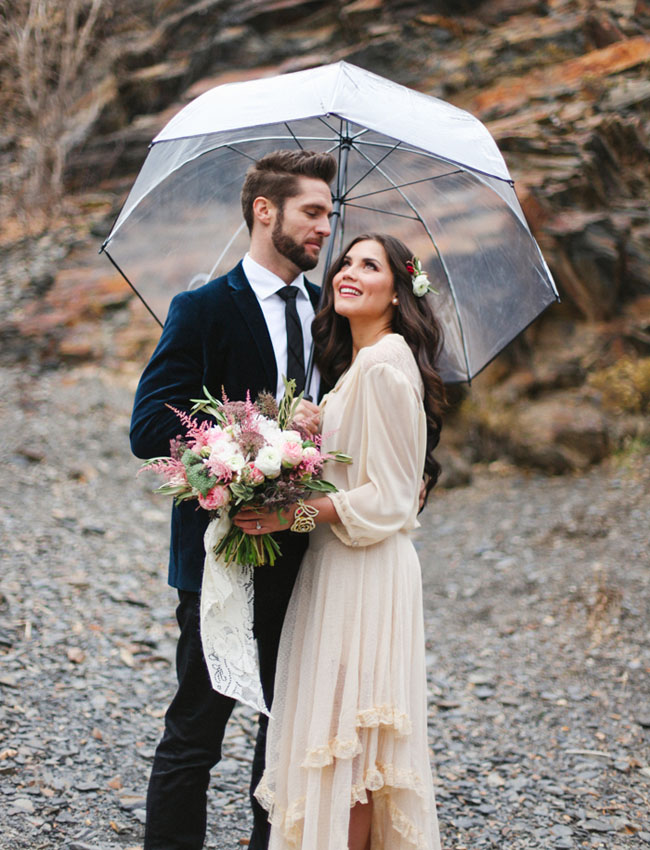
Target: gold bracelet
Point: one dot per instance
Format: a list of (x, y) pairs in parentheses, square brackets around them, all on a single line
[(303, 518)]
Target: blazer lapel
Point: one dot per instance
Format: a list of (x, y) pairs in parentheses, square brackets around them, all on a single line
[(251, 312)]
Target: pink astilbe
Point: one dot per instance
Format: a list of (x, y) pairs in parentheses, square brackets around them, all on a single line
[(311, 465), (195, 431), (240, 413), (185, 418), (170, 468)]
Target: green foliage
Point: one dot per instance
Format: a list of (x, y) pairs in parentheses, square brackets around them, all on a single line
[(198, 476), (247, 548), (242, 493), (319, 486), (209, 404), (289, 404)]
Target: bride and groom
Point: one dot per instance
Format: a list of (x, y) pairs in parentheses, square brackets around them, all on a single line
[(338, 624)]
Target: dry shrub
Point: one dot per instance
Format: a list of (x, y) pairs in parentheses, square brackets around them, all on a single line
[(47, 77), (625, 386)]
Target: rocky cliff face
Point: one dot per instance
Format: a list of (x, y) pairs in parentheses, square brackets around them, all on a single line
[(563, 85)]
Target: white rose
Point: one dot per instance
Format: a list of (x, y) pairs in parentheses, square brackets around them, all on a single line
[(269, 461), (291, 437), (223, 450), (310, 451), (270, 431), (236, 461), (421, 285)]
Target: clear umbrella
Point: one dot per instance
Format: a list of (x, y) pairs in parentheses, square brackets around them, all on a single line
[(409, 164)]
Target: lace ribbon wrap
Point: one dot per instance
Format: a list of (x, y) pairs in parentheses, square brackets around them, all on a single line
[(227, 623)]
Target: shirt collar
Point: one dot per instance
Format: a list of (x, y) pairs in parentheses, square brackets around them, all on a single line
[(265, 283)]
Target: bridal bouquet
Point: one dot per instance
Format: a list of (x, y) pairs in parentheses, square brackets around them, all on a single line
[(247, 455)]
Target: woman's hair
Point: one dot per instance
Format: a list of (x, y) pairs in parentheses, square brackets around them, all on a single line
[(275, 176), (413, 318)]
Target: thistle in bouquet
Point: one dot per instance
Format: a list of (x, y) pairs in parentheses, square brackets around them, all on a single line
[(246, 455)]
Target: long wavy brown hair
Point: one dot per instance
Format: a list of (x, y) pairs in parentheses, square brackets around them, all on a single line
[(413, 318)]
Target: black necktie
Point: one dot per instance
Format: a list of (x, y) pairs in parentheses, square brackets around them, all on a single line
[(295, 345)]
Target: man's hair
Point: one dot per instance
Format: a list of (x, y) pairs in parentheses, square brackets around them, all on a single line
[(275, 176)]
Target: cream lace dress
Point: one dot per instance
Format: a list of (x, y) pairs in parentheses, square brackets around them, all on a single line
[(350, 713)]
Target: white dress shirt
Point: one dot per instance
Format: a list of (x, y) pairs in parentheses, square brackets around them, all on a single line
[(265, 285)]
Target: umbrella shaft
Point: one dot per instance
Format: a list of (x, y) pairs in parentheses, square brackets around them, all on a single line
[(337, 201)]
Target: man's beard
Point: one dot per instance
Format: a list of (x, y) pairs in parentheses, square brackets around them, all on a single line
[(289, 248)]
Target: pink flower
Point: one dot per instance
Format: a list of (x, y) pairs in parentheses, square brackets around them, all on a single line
[(197, 435), (291, 452), (312, 460), (215, 498), (214, 435), (253, 474), (219, 468)]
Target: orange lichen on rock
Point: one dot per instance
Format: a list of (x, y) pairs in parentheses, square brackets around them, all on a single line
[(515, 93)]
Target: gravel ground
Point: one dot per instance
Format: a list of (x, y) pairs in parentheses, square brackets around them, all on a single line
[(537, 596)]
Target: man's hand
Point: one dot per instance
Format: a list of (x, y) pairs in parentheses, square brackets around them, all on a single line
[(308, 416), (263, 521)]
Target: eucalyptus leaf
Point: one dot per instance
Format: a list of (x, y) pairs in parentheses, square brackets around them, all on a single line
[(320, 486)]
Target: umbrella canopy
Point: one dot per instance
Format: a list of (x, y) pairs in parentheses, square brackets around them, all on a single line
[(409, 164)]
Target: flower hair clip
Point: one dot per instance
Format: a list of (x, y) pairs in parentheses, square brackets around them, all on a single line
[(419, 278)]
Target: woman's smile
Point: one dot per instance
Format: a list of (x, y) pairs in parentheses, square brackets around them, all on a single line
[(347, 291)]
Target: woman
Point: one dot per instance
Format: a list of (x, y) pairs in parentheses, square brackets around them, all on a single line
[(347, 755)]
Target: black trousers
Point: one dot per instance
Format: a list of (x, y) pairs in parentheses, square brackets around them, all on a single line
[(196, 719)]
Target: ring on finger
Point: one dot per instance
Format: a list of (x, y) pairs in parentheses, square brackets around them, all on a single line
[(258, 525)]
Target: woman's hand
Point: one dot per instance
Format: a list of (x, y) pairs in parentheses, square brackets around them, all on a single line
[(263, 521), (308, 416)]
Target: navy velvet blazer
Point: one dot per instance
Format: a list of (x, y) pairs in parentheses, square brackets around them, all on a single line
[(214, 336)]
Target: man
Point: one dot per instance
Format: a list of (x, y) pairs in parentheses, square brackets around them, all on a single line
[(240, 332)]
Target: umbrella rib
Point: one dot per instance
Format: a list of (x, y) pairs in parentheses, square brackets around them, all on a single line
[(222, 254), (439, 158), (235, 150), (329, 127), (383, 212), (410, 183), (133, 287), (295, 138), (452, 289), (231, 146), (370, 170)]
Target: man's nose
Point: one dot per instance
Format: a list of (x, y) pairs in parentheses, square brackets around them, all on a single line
[(324, 227)]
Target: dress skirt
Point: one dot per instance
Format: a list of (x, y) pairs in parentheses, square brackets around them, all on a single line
[(351, 701)]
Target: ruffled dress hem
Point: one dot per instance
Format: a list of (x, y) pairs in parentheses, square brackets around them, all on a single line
[(379, 779)]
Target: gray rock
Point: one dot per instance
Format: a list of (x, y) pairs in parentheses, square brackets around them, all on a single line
[(561, 831), (594, 825), (23, 805)]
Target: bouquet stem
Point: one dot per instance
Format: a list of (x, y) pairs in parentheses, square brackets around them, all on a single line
[(241, 548)]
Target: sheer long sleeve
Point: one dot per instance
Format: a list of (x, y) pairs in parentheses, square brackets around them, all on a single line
[(389, 426)]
